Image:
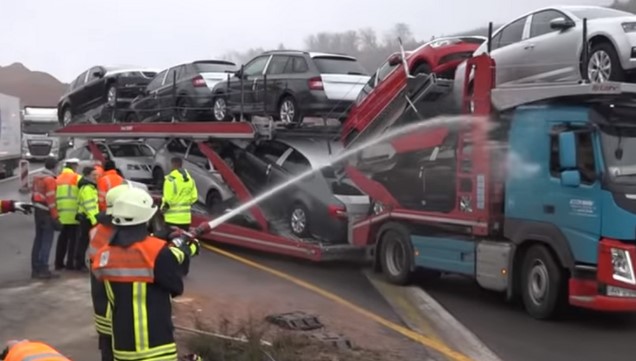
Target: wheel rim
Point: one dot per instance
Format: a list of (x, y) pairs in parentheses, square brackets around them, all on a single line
[(599, 67), (183, 111), (538, 282), (287, 111), (219, 109), (111, 96), (298, 221), (67, 117), (395, 257)]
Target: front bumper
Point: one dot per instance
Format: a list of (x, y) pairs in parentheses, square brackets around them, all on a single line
[(593, 293)]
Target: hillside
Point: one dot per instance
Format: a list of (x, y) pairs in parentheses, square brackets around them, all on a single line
[(32, 87)]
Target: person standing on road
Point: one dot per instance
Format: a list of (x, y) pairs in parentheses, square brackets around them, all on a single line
[(100, 235), (26, 350), (141, 274), (86, 214), (46, 218), (179, 194), (106, 182), (66, 196)]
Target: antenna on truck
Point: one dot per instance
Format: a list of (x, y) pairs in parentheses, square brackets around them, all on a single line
[(489, 44), (585, 56)]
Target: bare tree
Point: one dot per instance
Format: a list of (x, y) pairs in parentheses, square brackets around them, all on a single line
[(368, 39)]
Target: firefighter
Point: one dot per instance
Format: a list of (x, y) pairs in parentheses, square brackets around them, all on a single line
[(110, 179), (141, 274), (86, 213), (46, 219), (25, 350), (66, 196), (179, 194), (99, 237)]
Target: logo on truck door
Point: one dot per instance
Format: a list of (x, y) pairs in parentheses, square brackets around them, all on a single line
[(582, 207)]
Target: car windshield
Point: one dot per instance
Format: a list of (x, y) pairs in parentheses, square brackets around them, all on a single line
[(338, 65), (39, 127), (599, 13), (130, 150), (214, 67)]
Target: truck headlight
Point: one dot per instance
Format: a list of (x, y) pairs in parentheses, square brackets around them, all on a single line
[(622, 266), (629, 27)]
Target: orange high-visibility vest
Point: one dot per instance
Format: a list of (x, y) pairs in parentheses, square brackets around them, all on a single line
[(44, 189), (135, 263), (34, 351), (99, 170), (108, 181), (99, 237)]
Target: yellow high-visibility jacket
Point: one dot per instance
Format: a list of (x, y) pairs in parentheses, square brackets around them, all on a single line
[(179, 194)]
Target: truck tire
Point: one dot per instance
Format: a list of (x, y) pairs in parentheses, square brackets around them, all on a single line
[(396, 254), (543, 283)]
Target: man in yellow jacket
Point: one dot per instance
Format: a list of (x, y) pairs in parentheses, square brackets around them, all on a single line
[(179, 194), (87, 211), (66, 200)]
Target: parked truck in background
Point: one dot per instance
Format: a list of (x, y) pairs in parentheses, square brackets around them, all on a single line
[(38, 123), (10, 135)]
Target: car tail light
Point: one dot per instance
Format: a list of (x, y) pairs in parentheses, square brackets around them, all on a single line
[(315, 83), (337, 211), (198, 81)]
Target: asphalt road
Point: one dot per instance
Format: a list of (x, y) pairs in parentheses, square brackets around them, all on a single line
[(513, 335)]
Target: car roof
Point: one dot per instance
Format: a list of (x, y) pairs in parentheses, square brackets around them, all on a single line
[(224, 62), (562, 8), (316, 150), (311, 54)]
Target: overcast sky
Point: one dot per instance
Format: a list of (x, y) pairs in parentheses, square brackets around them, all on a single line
[(64, 37)]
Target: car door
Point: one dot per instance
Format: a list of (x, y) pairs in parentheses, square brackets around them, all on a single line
[(252, 73), (148, 104), (166, 95), (554, 53), (77, 96), (508, 52), (95, 87), (277, 73), (378, 92)]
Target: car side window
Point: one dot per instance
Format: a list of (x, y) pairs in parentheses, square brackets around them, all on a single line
[(299, 65), (277, 65), (296, 163), (511, 34), (91, 74), (256, 66), (81, 80), (177, 146), (157, 81), (173, 74), (541, 22), (270, 151), (584, 157)]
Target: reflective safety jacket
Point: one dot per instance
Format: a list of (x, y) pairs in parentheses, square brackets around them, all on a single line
[(100, 235), (99, 170), (140, 279), (87, 200), (66, 196), (33, 351), (179, 194), (43, 191), (106, 182)]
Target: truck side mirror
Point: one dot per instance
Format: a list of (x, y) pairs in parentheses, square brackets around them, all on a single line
[(571, 178), (567, 150)]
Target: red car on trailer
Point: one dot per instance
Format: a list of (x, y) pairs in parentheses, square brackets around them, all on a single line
[(440, 57)]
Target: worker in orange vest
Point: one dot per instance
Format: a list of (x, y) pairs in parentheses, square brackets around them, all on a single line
[(99, 169), (46, 219), (67, 205), (25, 350), (109, 180)]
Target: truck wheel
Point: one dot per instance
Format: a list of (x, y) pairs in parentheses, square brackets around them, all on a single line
[(396, 255), (543, 283)]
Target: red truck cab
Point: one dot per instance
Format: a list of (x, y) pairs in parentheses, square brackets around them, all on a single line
[(439, 56)]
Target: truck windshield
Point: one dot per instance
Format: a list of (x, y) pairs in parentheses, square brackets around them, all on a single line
[(39, 127), (619, 153)]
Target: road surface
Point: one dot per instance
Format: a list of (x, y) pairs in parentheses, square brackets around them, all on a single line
[(514, 336)]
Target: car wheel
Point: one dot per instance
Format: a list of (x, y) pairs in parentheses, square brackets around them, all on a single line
[(219, 109), (67, 117), (111, 96), (158, 177), (603, 64), (396, 255), (131, 118), (213, 201), (288, 111), (184, 110), (422, 68), (299, 220), (543, 283)]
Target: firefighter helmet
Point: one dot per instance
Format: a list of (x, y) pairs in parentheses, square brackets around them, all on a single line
[(113, 194), (133, 206)]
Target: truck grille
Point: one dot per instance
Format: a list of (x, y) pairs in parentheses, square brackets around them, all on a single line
[(40, 149)]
